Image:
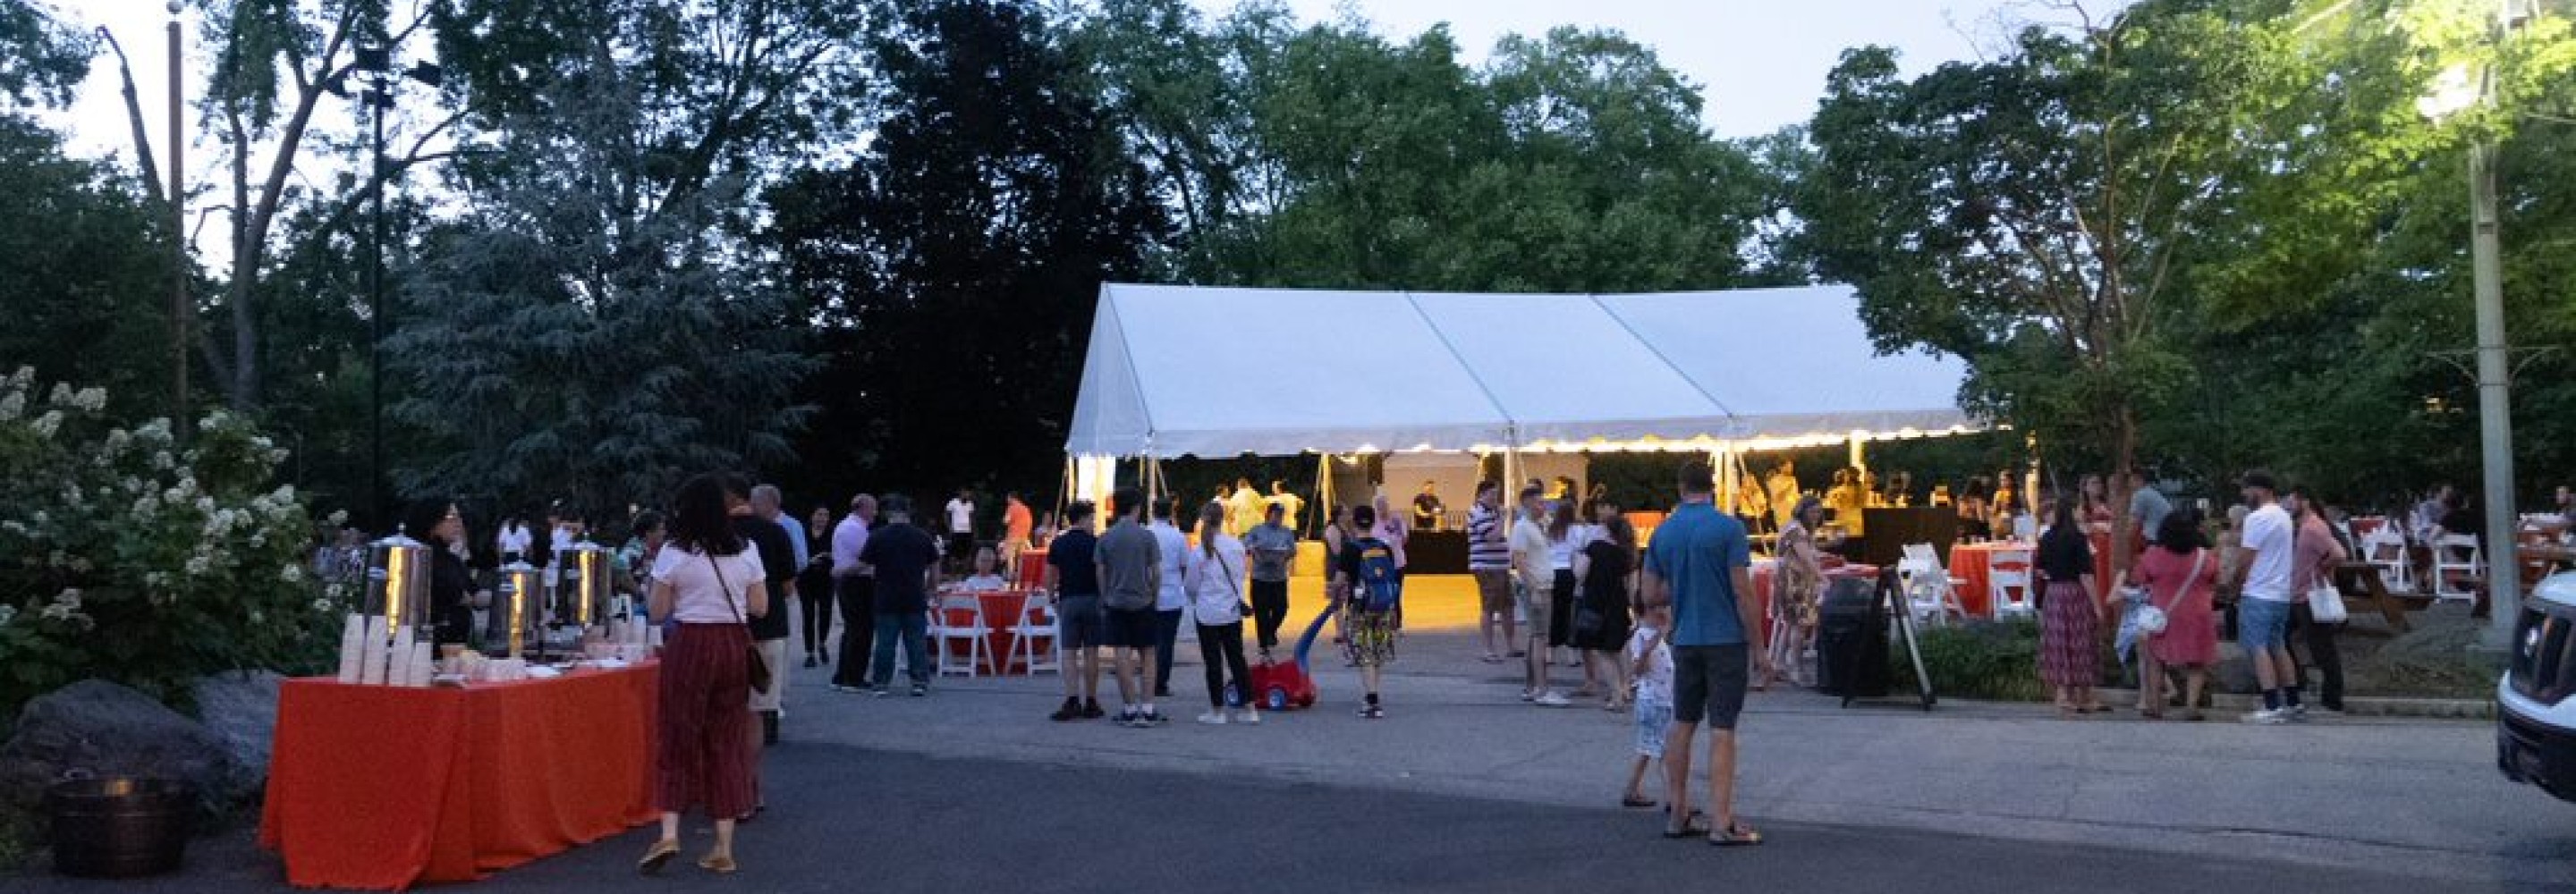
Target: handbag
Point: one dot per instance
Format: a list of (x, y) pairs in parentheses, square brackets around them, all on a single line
[(2153, 618), (756, 666), (2325, 601)]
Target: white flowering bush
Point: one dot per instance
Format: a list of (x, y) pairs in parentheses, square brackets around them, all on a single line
[(126, 556)]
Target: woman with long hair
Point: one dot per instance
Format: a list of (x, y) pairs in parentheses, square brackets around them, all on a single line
[(1565, 537), (2098, 514), (437, 525), (1607, 567), (709, 581), (2069, 647), (1798, 584), (2181, 576), (1214, 577), (1976, 518), (814, 588)]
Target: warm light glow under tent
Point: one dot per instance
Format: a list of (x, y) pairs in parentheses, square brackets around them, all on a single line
[(1216, 372)]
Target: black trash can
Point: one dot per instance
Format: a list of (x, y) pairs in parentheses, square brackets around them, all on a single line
[(119, 827)]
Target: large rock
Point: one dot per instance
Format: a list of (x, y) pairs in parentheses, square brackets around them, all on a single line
[(109, 730), (241, 708)]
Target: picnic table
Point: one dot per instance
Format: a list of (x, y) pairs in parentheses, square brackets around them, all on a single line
[(2364, 590)]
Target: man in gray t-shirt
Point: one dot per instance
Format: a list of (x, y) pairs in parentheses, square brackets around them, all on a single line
[(1131, 572), (1273, 548), (2147, 507)]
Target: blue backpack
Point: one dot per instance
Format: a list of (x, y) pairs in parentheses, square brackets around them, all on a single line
[(1378, 588)]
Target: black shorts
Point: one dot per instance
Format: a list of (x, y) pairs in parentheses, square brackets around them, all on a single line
[(1129, 628), (1709, 682)]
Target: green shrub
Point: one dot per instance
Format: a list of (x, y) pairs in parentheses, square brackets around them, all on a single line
[(1996, 660), (124, 557)]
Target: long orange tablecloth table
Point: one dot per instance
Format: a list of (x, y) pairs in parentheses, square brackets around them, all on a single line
[(383, 788), (1973, 562), (1003, 610)]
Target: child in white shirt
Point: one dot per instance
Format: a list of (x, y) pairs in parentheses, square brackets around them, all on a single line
[(1650, 661)]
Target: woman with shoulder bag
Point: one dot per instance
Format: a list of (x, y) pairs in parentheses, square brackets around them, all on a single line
[(2317, 609), (2180, 575), (1213, 576), (710, 581)]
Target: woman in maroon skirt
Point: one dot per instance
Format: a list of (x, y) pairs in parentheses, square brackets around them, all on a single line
[(2070, 659), (709, 581)]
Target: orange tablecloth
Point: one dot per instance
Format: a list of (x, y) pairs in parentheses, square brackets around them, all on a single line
[(1765, 568), (1002, 611), (1971, 562), (383, 788), (1032, 571)]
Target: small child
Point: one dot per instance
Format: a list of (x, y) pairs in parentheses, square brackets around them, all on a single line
[(1650, 662)]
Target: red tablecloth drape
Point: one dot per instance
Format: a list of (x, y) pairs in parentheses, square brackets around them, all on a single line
[(1003, 610), (382, 788)]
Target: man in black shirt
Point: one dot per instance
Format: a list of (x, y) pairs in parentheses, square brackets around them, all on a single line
[(768, 631), (907, 562), (1073, 575), (1427, 511)]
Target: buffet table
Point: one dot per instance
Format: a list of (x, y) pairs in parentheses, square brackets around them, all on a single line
[(383, 788)]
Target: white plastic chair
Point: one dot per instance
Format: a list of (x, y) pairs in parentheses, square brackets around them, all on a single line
[(1930, 592), (1027, 635), (2456, 553), (2008, 582), (2386, 549), (972, 632)]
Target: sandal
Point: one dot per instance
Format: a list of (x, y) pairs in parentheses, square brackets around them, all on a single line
[(658, 857), (1696, 824), (1639, 803), (1736, 834), (718, 864)]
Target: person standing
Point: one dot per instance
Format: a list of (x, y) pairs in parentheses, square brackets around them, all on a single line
[(1535, 582), (2318, 552), (1217, 600), (2263, 609), (770, 505), (1172, 597), (1391, 528), (855, 588), (1287, 501), (1783, 493), (1427, 511), (2180, 576), (1699, 565), (769, 631), (1372, 589), (1246, 507), (2147, 508), (960, 543), (437, 525), (1131, 567), (1799, 582), (1607, 565), (1650, 660), (1273, 546), (907, 569), (814, 590), (1489, 560), (1565, 538), (1017, 529), (709, 583), (514, 540), (2070, 646), (1073, 575)]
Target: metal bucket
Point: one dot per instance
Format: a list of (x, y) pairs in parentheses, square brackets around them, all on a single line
[(119, 827)]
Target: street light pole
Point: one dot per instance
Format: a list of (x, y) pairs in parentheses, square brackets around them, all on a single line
[(380, 98), (179, 309), (2495, 401)]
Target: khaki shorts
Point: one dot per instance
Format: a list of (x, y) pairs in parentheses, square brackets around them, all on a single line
[(1536, 602), (773, 651), (1494, 590)]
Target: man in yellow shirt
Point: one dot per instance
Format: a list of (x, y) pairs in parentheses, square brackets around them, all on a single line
[(1245, 508), (1784, 493)]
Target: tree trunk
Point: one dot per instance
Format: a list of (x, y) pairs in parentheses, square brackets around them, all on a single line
[(2124, 453)]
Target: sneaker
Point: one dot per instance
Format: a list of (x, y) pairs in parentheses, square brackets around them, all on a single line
[(2268, 717), (920, 689), (1154, 718), (1529, 695), (1551, 700), (2298, 713), (882, 692), (810, 663), (1213, 718), (1250, 715), (1127, 717), (1072, 710), (1091, 710), (1372, 712)]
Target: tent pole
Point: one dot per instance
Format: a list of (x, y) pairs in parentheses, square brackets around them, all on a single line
[(1721, 463), (1323, 494), (1511, 472), (1859, 453)]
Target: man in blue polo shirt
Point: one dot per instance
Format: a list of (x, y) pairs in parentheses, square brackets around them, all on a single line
[(1699, 564)]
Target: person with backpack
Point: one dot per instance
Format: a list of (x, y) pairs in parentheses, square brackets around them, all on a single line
[(1366, 572)]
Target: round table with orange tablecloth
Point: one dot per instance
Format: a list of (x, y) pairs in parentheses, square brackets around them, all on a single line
[(383, 788), (1971, 562), (1763, 569)]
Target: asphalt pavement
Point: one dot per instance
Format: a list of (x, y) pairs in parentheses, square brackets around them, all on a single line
[(862, 820)]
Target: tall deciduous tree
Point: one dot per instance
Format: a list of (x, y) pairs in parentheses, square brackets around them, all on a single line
[(956, 263)]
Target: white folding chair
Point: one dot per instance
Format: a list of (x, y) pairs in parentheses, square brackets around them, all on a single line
[(949, 630), (1027, 635), (2386, 549), (1928, 591), (2456, 556), (2008, 582)]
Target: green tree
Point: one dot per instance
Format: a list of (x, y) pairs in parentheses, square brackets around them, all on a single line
[(86, 267), (43, 57), (557, 344)]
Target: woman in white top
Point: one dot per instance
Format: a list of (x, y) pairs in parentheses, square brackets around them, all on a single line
[(1565, 537), (1214, 576), (707, 583)]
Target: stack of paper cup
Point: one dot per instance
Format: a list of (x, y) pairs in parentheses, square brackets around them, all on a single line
[(353, 647), (371, 657), (424, 664), (398, 666)]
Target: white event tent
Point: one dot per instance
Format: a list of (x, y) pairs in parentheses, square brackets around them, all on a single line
[(1215, 372)]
